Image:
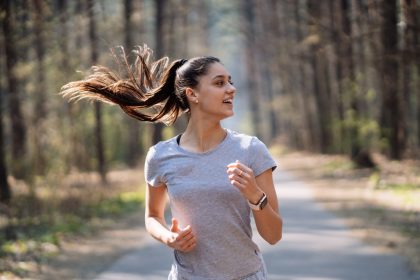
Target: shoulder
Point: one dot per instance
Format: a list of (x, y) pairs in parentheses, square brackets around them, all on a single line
[(161, 149), (244, 140)]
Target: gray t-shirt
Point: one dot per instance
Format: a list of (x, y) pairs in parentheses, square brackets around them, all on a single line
[(202, 196)]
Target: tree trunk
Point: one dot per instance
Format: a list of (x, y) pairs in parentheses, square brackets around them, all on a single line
[(267, 15), (348, 66), (98, 107), (40, 109), (391, 117), (62, 29), (409, 58), (134, 142), (250, 60), (5, 193), (308, 134), (159, 52), (337, 37), (317, 59), (18, 129)]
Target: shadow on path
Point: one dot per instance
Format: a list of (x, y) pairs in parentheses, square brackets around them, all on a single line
[(316, 245)]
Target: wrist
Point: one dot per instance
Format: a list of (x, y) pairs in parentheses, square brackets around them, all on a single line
[(260, 205), (256, 196), (168, 238)]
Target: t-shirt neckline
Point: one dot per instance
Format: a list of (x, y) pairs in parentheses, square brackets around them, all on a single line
[(217, 147)]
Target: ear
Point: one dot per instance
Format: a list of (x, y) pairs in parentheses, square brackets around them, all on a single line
[(191, 95)]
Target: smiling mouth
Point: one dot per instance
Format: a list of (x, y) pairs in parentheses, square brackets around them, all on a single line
[(228, 101)]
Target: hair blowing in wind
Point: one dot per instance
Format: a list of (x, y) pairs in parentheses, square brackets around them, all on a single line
[(145, 89)]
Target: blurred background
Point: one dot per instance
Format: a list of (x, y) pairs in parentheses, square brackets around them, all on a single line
[(328, 77)]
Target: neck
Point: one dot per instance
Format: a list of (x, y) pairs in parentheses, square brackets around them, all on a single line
[(203, 135)]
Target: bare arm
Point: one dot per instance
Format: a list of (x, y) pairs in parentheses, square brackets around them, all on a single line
[(174, 237), (269, 222)]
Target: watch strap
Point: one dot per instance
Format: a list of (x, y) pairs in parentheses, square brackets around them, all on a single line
[(262, 202)]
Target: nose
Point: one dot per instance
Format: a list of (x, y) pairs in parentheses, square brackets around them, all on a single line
[(231, 89)]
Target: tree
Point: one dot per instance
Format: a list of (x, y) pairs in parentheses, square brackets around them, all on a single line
[(410, 65), (5, 193), (319, 75), (159, 52), (18, 128), (40, 107), (133, 125), (391, 118), (98, 107), (248, 13)]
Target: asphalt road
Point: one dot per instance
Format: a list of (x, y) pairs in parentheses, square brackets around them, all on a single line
[(316, 245)]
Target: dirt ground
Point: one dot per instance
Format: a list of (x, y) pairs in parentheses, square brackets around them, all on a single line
[(84, 258), (378, 216)]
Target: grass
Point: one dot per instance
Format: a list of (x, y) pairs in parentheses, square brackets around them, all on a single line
[(401, 187), (338, 165), (38, 224)]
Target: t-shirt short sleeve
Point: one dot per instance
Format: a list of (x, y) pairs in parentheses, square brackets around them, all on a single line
[(152, 169), (261, 160)]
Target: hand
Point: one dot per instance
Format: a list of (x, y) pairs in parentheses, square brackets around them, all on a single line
[(181, 239), (242, 177)]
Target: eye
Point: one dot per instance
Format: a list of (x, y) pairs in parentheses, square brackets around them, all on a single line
[(220, 83), (230, 82)]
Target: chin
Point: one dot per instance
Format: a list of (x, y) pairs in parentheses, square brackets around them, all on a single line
[(227, 116)]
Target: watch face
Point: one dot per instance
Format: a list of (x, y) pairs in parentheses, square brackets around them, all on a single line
[(263, 203)]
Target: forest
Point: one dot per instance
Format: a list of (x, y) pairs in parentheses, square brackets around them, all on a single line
[(329, 77)]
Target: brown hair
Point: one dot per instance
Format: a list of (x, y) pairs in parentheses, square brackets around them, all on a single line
[(150, 85)]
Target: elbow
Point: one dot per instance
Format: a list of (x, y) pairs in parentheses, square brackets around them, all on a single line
[(275, 238)]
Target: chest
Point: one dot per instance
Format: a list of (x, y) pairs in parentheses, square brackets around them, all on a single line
[(192, 180)]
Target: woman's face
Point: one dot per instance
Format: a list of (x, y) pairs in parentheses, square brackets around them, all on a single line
[(215, 92)]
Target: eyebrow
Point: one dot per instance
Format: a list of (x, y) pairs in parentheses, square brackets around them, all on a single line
[(221, 76)]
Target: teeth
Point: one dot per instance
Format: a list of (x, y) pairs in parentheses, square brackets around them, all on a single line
[(227, 101)]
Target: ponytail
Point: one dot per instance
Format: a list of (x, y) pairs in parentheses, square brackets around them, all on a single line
[(149, 85)]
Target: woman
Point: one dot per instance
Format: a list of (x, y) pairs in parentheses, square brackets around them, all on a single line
[(214, 176)]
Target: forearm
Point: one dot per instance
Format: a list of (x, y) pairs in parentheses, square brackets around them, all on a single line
[(157, 229), (269, 224)]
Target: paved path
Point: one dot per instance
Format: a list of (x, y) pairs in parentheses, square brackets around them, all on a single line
[(316, 245)]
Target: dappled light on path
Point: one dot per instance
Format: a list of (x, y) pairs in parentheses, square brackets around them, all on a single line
[(316, 245)]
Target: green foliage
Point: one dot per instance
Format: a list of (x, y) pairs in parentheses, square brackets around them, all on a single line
[(339, 165), (400, 187), (41, 224), (123, 203), (374, 179), (366, 129)]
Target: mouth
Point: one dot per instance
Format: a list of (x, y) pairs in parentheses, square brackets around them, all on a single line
[(228, 101)]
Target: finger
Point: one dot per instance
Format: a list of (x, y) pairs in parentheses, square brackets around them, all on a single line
[(231, 169), (186, 243), (175, 225), (182, 233), (189, 246), (235, 170), (234, 164), (244, 168), (237, 185), (237, 178), (187, 249), (185, 237)]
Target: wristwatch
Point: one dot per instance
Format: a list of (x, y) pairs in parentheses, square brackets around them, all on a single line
[(260, 204)]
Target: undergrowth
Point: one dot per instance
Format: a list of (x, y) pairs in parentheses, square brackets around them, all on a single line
[(33, 226)]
